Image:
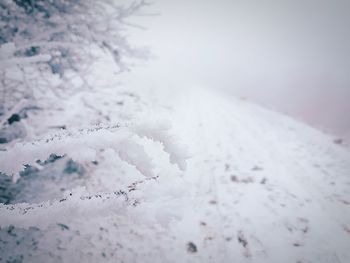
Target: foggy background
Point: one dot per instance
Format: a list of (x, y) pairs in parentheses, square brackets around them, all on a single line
[(291, 56)]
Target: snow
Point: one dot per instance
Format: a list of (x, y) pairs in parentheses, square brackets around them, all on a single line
[(258, 187), (7, 49), (150, 168), (158, 132), (8, 63)]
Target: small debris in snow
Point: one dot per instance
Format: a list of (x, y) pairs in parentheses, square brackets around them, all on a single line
[(257, 168), (234, 178), (338, 141), (297, 244), (345, 202), (191, 247), (63, 226), (263, 180), (305, 229), (241, 239), (246, 180), (209, 238)]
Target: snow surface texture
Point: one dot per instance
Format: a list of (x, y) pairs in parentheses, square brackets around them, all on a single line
[(258, 187)]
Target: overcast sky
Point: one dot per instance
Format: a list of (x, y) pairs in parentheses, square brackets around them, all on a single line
[(293, 56)]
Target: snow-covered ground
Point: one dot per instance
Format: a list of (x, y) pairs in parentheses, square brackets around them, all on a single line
[(259, 187), (152, 166)]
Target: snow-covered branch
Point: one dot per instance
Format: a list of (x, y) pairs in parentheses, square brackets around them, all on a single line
[(85, 146), (60, 38)]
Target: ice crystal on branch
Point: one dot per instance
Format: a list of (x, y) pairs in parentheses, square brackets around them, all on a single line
[(85, 146)]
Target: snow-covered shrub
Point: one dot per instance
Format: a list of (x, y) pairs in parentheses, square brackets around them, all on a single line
[(64, 165), (49, 48), (107, 198)]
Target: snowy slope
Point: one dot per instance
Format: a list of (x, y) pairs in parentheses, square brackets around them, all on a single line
[(259, 187), (281, 187)]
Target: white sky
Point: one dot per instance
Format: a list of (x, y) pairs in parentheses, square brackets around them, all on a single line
[(293, 56)]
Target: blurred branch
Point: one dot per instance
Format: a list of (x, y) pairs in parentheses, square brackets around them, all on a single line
[(55, 37)]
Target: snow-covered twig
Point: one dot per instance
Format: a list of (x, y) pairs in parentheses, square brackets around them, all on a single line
[(85, 146)]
